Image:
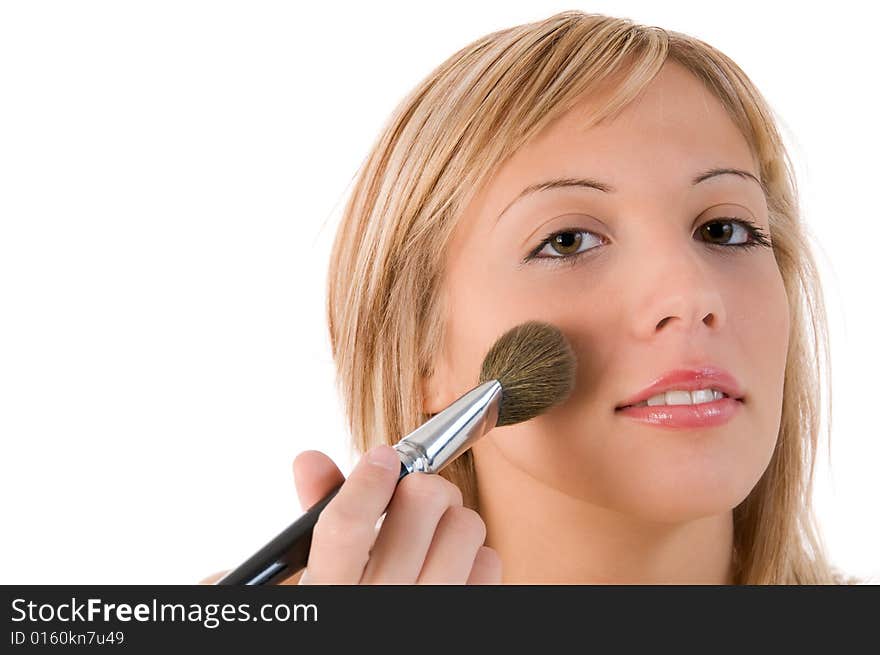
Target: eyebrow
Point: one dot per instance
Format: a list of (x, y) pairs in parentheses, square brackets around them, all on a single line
[(607, 188)]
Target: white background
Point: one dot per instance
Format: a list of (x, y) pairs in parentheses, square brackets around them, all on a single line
[(171, 174)]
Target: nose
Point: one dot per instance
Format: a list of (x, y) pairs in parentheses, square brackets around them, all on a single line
[(677, 292)]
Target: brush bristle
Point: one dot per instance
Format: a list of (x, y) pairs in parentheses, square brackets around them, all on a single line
[(535, 365)]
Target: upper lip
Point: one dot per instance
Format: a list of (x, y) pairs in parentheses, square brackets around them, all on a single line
[(689, 379)]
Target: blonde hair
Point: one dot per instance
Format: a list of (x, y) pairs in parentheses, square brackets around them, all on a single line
[(384, 306)]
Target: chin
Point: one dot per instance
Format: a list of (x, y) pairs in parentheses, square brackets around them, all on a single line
[(672, 478), (681, 498)]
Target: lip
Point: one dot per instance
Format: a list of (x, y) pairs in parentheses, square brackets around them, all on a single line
[(703, 415), (688, 379)]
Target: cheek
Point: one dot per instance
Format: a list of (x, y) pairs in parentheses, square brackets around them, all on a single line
[(770, 343), (759, 320), (483, 302)]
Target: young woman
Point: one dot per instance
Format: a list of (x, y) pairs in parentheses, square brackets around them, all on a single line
[(627, 184)]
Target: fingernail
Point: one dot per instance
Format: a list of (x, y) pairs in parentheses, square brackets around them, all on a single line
[(384, 456)]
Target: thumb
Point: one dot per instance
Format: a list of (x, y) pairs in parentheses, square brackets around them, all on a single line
[(314, 475)]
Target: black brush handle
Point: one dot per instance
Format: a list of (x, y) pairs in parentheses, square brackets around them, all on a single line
[(288, 552)]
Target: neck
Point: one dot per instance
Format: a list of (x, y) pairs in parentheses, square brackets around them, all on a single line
[(544, 536)]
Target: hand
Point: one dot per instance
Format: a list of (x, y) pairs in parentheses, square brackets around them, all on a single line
[(426, 537)]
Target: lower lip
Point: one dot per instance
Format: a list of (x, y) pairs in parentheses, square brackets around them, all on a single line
[(702, 415)]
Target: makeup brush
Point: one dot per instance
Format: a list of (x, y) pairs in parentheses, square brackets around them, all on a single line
[(530, 368)]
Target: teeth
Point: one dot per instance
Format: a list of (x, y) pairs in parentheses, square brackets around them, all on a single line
[(676, 397)]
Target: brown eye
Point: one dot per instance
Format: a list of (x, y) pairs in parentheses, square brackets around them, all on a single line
[(568, 246), (566, 243), (721, 231)]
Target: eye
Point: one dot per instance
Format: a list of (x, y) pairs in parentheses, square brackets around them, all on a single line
[(566, 244), (745, 233)]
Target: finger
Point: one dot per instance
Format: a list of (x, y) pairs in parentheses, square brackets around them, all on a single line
[(487, 567), (315, 475), (294, 579), (211, 579), (450, 558), (346, 528), (418, 505)]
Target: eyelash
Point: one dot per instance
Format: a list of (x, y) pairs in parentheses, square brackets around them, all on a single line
[(756, 238)]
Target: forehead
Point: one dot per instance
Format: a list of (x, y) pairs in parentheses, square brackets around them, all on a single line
[(674, 128)]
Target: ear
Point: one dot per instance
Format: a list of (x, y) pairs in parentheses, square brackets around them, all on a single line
[(437, 383), (436, 389)]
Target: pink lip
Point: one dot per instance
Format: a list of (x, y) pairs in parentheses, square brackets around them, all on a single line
[(708, 414), (689, 379), (704, 415)]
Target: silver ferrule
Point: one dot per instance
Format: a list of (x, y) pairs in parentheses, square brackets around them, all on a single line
[(445, 436)]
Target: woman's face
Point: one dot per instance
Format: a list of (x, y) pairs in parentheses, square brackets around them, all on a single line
[(639, 287)]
